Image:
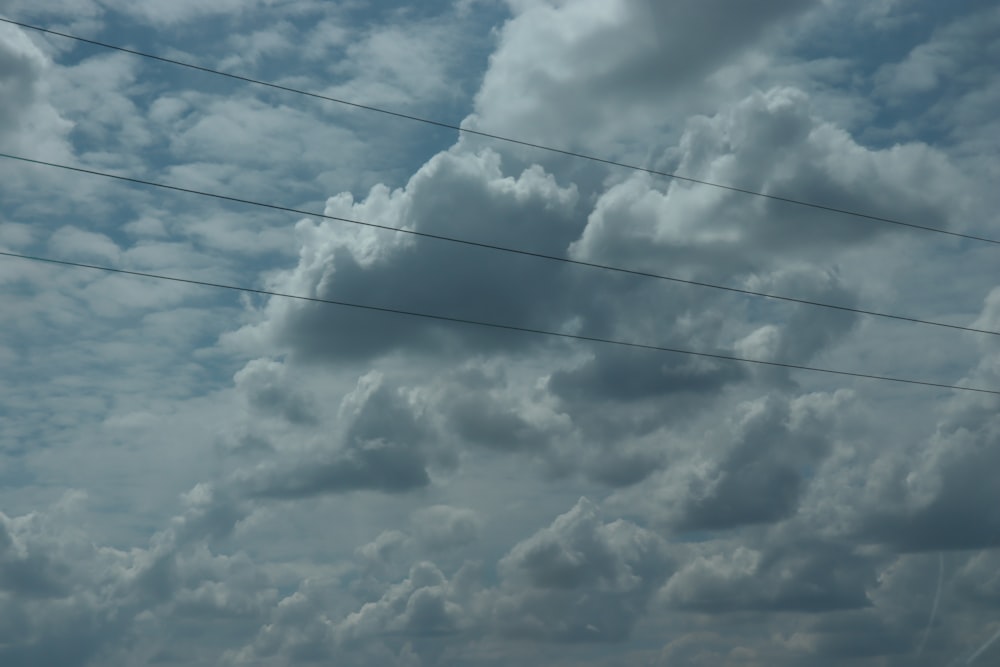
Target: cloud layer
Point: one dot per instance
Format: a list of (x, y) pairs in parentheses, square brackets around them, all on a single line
[(196, 478)]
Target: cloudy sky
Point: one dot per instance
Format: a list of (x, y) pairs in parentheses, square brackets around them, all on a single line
[(196, 476)]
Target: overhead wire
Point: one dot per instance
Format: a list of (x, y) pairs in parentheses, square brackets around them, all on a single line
[(509, 140), (498, 325), (500, 248), (495, 247)]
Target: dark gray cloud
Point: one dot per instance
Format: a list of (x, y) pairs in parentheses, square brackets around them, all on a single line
[(855, 636), (268, 392), (787, 572), (384, 490), (459, 192), (377, 444), (21, 67), (376, 465), (463, 195), (753, 462), (579, 579), (960, 510), (423, 604), (618, 465), (479, 420), (936, 493), (978, 579), (762, 476), (28, 575), (48, 616), (380, 551), (627, 376), (79, 602), (210, 512), (442, 527)]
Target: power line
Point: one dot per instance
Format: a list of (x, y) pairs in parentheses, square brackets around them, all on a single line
[(495, 325), (500, 248), (510, 140)]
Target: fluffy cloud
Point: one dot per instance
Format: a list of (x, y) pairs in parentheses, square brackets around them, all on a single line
[(421, 604), (589, 74), (442, 527), (762, 474), (28, 120), (943, 498), (579, 579), (69, 601), (774, 143), (366, 488), (454, 194), (789, 576)]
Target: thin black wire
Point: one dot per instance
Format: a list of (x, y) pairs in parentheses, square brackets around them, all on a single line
[(490, 246), (495, 325), (497, 137)]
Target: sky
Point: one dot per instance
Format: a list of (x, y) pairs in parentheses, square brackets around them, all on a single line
[(197, 476)]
